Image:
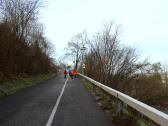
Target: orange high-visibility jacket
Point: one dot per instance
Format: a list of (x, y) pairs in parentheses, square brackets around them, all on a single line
[(74, 72)]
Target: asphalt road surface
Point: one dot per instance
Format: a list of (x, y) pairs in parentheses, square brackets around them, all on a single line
[(52, 103)]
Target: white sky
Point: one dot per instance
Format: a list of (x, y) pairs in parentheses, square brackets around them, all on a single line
[(144, 23)]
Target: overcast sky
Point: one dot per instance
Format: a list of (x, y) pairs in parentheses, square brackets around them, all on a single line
[(144, 23)]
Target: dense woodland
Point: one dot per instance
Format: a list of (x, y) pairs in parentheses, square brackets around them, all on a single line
[(24, 50)]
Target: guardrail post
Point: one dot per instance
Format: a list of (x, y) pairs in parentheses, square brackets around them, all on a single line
[(103, 93), (119, 107), (96, 91), (93, 88)]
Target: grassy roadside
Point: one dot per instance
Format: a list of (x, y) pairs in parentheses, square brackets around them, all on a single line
[(8, 87)]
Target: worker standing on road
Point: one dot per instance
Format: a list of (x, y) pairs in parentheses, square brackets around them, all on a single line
[(74, 73), (70, 74), (65, 73)]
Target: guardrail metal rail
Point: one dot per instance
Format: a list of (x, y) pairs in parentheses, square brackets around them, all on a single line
[(150, 112)]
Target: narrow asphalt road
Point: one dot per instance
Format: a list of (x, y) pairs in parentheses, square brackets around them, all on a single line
[(33, 106)]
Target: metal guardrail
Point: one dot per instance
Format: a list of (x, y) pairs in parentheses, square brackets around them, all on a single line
[(150, 112)]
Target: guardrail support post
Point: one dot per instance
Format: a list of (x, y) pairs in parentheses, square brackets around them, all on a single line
[(119, 107), (103, 96), (92, 87)]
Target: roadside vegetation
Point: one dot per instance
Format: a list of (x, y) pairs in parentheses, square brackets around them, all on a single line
[(118, 66), (8, 87), (25, 52), (23, 47), (108, 61), (110, 105)]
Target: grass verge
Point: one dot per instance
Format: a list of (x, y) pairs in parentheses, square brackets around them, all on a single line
[(8, 87)]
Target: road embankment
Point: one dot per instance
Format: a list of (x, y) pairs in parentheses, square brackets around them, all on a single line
[(8, 87)]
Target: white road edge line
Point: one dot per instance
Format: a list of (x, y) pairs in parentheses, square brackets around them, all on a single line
[(49, 122)]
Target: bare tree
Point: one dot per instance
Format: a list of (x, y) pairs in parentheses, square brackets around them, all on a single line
[(74, 47), (165, 78), (23, 47), (20, 15), (112, 63)]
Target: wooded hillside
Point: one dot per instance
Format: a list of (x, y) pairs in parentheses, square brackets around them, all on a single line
[(23, 46)]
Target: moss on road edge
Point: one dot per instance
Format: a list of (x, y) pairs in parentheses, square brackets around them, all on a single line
[(9, 87)]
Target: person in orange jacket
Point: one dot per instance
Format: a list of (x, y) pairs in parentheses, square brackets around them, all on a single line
[(74, 73)]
